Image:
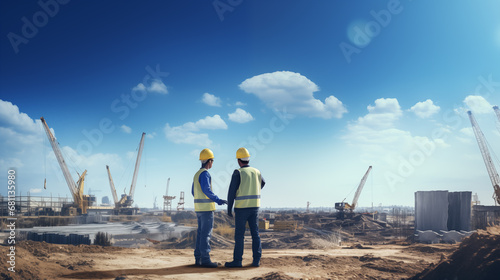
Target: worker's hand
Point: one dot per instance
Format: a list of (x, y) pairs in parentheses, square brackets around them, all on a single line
[(222, 202), (230, 213)]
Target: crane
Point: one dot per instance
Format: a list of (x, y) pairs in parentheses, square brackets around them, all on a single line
[(80, 201), (343, 206), (167, 200), (127, 200), (490, 167)]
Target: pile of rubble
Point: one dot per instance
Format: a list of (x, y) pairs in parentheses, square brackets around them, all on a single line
[(478, 257)]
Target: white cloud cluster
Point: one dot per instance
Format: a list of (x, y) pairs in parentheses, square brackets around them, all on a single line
[(126, 129), (240, 116), (157, 86), (188, 132), (15, 120), (383, 115), (425, 109), (477, 104), (375, 135), (211, 100), (24, 146), (290, 90)]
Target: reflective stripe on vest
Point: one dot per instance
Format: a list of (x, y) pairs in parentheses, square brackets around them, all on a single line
[(248, 194), (201, 202)]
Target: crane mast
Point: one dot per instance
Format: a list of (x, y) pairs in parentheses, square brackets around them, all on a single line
[(80, 200), (497, 111), (360, 188), (60, 159), (112, 185), (343, 206), (136, 171), (490, 167)]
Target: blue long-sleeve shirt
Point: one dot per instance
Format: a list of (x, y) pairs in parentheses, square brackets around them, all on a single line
[(205, 181)]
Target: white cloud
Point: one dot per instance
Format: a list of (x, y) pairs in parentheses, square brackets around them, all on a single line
[(383, 115), (478, 105), (157, 86), (467, 131), (187, 133), (284, 89), (126, 129), (11, 117), (425, 109), (240, 116), (181, 134), (377, 138), (215, 122), (151, 135), (211, 100), (239, 103), (24, 146)]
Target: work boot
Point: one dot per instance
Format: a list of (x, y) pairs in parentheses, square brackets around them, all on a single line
[(197, 262), (255, 263), (233, 264), (209, 264)]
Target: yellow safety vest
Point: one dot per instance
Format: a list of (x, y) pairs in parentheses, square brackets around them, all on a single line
[(248, 194), (201, 202)]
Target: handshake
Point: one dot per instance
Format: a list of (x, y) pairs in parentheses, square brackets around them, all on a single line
[(222, 202)]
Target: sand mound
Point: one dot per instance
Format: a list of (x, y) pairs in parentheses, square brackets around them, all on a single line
[(478, 257), (274, 276)]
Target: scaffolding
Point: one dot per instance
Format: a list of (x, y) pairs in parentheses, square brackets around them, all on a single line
[(28, 205), (180, 204), (167, 201)]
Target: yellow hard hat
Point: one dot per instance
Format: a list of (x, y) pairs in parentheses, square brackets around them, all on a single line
[(242, 153), (206, 154)]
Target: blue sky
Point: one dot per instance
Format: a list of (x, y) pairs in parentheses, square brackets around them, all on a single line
[(317, 91)]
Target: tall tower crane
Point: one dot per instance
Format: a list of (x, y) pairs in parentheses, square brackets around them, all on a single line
[(80, 201), (126, 200), (343, 206), (490, 167)]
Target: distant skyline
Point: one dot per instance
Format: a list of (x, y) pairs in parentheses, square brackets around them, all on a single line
[(317, 91)]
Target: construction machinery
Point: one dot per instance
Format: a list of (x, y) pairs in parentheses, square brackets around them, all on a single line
[(81, 202), (344, 207), (490, 166), (167, 200), (124, 204)]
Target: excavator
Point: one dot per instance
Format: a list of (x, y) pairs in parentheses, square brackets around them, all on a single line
[(344, 207), (124, 204), (483, 147), (81, 202)]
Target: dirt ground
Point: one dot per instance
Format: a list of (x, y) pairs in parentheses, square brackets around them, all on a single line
[(37, 260)]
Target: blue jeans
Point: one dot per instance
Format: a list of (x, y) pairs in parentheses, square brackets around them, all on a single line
[(205, 225), (242, 215)]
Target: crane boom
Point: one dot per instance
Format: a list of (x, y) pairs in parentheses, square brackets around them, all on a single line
[(168, 183), (112, 185), (67, 176), (360, 188), (137, 163), (497, 111), (490, 167)]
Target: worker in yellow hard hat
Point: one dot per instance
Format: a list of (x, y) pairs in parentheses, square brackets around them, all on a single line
[(204, 206), (244, 192)]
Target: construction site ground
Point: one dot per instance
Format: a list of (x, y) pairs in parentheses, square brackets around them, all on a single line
[(306, 253)]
